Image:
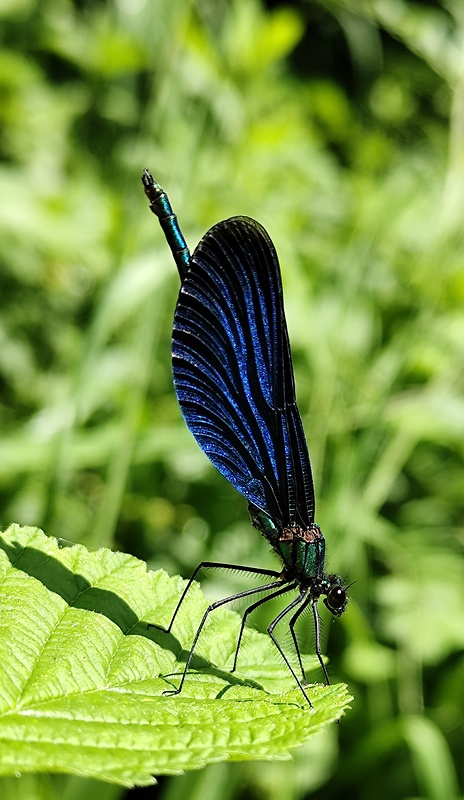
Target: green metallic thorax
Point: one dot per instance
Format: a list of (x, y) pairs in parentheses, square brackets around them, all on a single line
[(302, 550)]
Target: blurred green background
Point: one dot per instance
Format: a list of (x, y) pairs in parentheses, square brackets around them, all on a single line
[(339, 124)]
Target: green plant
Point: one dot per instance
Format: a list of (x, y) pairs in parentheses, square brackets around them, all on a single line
[(82, 676)]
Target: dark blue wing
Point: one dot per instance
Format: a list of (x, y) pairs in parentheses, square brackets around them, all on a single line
[(233, 372)]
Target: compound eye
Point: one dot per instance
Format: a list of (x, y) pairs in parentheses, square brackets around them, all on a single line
[(336, 600)]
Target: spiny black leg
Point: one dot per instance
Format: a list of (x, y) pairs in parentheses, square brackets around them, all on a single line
[(270, 631), (317, 629), (212, 607), (287, 588), (182, 597), (210, 565), (291, 625)]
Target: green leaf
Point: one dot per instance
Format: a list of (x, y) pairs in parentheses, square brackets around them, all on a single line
[(82, 677)]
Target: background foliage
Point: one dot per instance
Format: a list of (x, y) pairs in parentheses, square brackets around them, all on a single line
[(339, 124)]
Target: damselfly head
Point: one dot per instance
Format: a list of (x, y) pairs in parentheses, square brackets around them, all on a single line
[(336, 598)]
